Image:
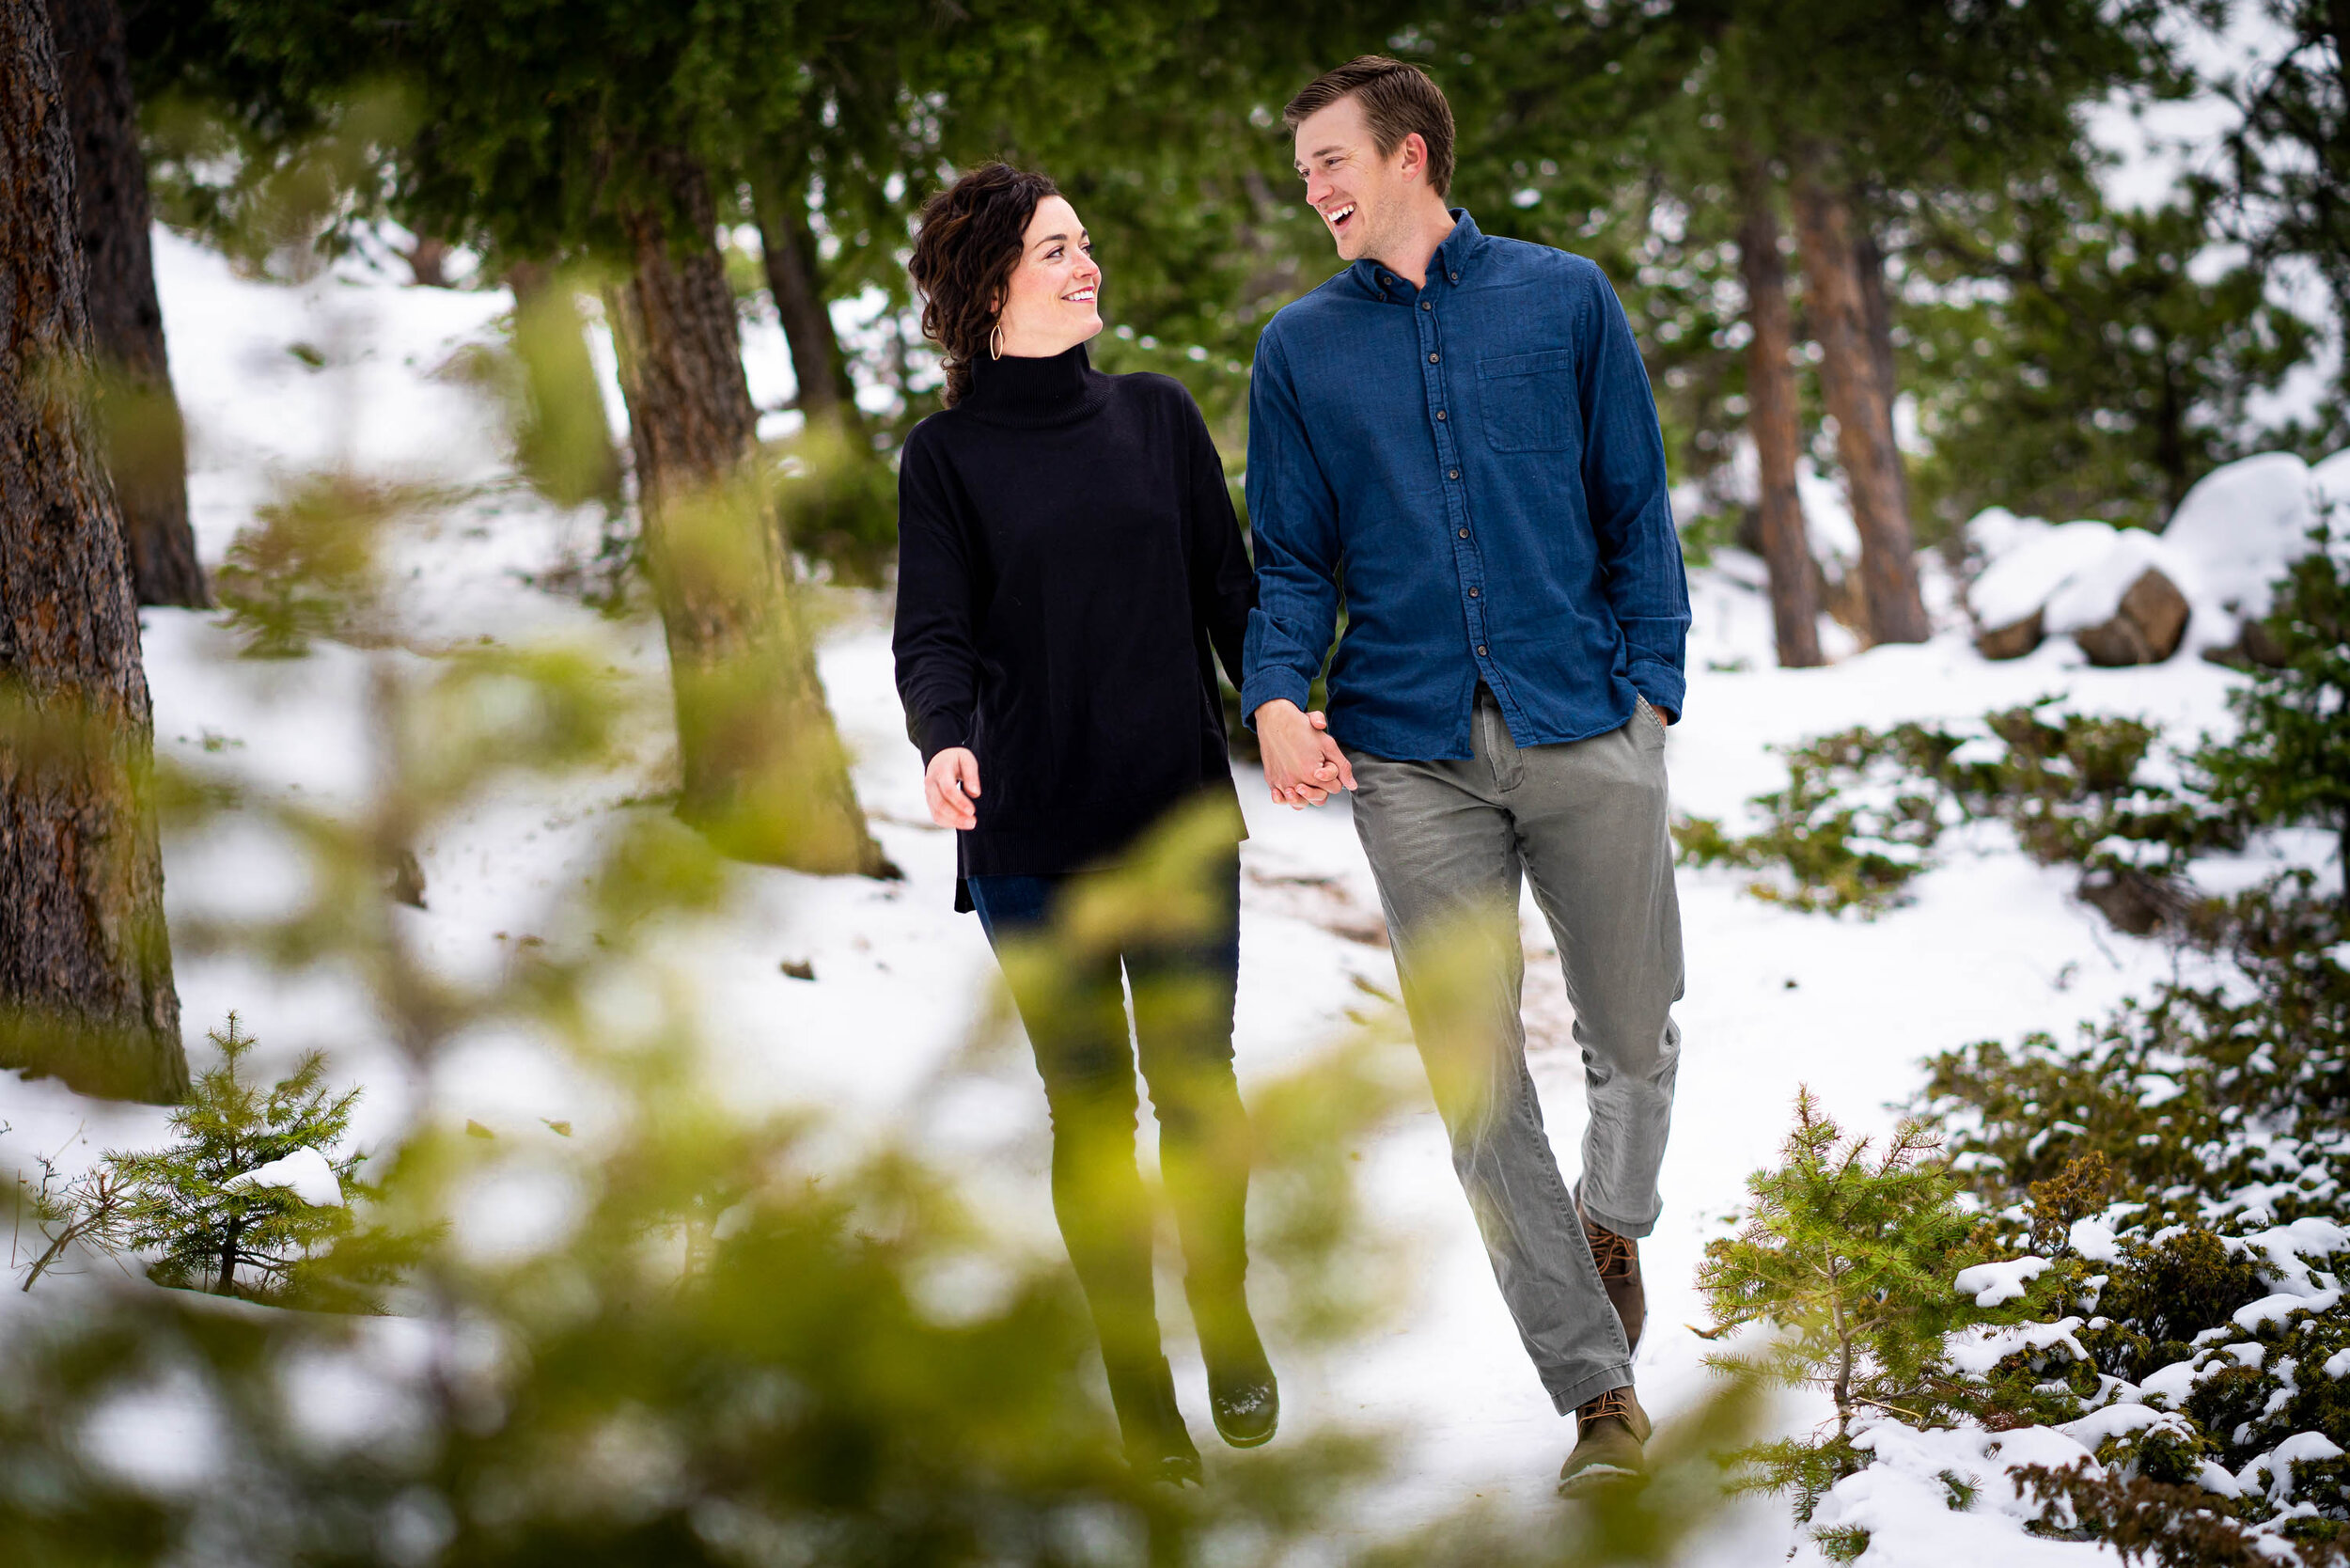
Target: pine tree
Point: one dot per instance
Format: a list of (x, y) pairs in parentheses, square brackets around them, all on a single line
[(196, 1204), (2290, 760), (1851, 1260)]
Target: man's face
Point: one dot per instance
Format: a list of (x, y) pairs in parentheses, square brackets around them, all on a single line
[(1360, 195)]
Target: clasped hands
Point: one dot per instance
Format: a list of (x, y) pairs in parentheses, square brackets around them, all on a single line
[(1301, 765)]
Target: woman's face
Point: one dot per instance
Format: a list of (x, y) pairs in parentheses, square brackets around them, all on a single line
[(1049, 306)]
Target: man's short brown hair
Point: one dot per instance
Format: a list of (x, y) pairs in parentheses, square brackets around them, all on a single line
[(1397, 99)]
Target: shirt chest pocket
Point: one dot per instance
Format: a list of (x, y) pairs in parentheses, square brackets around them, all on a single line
[(1529, 401)]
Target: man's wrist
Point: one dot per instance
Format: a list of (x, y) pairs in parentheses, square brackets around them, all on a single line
[(1274, 706)]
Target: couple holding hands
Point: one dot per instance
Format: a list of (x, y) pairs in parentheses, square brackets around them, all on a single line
[(1455, 435)]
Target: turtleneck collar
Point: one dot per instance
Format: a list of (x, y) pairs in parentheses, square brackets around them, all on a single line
[(1017, 391)]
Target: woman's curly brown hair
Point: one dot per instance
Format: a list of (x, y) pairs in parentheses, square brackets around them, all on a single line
[(964, 256)]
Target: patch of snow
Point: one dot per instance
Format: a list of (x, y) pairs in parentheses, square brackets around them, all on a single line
[(305, 1173), (2093, 1239), (2240, 526), (2035, 562)]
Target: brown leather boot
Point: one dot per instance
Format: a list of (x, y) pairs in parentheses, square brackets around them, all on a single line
[(1618, 1261), (1610, 1443)]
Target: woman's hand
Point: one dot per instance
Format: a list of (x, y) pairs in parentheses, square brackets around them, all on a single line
[(949, 785)]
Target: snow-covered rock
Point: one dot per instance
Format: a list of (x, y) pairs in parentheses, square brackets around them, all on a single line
[(2122, 593), (2241, 526), (305, 1172)]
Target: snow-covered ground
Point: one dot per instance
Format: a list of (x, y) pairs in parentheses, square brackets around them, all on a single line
[(1993, 946)]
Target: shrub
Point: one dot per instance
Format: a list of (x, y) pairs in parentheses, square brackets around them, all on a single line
[(2289, 762)]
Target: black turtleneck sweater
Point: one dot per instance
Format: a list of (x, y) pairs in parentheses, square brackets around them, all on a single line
[(1069, 569)]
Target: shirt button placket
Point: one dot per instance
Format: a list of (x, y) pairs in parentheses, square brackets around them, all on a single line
[(1465, 556)]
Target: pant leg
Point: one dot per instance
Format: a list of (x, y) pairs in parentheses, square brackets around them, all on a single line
[(1184, 996), (1075, 1014), (1444, 849), (1591, 831)]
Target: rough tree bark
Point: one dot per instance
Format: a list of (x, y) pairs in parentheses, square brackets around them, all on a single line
[(1773, 417), (1862, 404), (147, 450), (788, 245), (566, 443), (1876, 312), (763, 772), (86, 987)]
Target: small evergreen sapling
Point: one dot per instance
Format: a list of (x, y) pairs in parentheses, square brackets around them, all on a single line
[(187, 1203), (1851, 1261), (2290, 760)]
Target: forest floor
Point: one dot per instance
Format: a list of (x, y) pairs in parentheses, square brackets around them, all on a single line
[(890, 1035)]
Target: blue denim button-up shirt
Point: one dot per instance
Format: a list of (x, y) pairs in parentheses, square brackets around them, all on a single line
[(1478, 462)]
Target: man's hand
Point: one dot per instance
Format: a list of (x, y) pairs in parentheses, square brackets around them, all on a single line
[(949, 784), (1302, 763)]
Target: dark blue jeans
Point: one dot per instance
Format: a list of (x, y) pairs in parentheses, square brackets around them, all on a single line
[(1073, 1007)]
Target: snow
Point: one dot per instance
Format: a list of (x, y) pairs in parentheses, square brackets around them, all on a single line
[(2031, 562), (2093, 1239), (891, 1037), (305, 1173), (2238, 526), (1992, 1283)]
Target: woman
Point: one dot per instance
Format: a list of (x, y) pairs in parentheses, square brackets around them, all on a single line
[(1069, 569)]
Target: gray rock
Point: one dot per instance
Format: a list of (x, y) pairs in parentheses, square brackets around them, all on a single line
[(2145, 630), (2011, 641)]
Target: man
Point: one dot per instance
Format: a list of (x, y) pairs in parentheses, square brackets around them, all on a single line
[(1459, 430)]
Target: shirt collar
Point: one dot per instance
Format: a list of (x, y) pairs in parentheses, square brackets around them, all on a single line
[(1450, 263)]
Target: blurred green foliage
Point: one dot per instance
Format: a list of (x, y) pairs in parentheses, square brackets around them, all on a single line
[(675, 1324)]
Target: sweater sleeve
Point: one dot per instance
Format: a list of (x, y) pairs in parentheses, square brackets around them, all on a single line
[(1223, 587), (934, 640)]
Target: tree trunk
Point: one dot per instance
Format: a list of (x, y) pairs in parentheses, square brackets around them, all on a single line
[(1876, 311), (147, 450), (1862, 407), (86, 985), (788, 245), (763, 772), (565, 442), (1773, 417)]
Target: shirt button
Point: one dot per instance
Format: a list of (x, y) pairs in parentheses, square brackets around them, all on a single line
[(1440, 414), (1454, 276), (1480, 650), (1465, 533), (1428, 304), (1473, 592)]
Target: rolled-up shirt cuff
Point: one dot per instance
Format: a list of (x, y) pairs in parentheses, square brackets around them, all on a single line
[(1663, 685), (1272, 685)]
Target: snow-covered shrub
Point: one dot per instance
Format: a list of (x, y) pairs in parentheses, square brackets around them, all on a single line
[(1864, 810), (2177, 1181), (249, 1195), (2290, 760)]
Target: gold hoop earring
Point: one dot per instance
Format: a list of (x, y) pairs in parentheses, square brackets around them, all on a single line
[(995, 342)]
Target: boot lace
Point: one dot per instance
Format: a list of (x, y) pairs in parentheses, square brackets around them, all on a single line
[(1618, 1257), (1615, 1403)]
